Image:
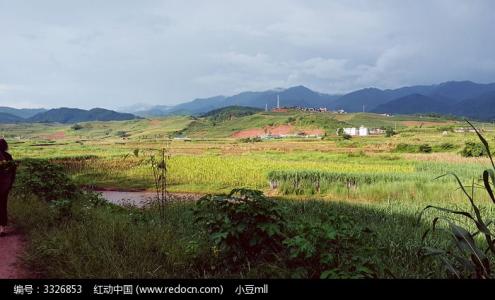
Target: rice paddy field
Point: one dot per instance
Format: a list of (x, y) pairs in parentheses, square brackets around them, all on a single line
[(372, 179), (95, 157)]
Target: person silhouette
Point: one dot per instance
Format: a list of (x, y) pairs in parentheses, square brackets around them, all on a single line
[(7, 178)]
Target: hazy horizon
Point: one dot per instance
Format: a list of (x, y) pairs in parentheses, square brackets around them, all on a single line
[(115, 54), (133, 107)]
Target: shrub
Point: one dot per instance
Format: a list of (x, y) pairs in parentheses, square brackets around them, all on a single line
[(251, 140), (425, 148), (244, 225), (406, 148), (249, 229), (346, 136), (122, 134), (447, 146), (62, 209), (77, 127), (390, 132), (472, 149), (327, 250), (45, 180)]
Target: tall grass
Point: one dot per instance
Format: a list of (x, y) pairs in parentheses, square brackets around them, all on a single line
[(107, 241)]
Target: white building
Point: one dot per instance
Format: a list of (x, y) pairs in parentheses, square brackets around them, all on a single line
[(350, 131), (361, 131)]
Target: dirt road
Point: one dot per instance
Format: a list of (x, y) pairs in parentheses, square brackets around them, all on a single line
[(11, 247)]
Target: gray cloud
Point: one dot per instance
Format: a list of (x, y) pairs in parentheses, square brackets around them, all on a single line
[(116, 53)]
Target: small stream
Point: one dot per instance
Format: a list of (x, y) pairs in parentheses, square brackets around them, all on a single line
[(143, 198)]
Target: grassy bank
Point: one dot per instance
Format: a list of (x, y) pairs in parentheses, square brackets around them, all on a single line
[(96, 240)]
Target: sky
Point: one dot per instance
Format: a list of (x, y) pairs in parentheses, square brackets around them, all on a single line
[(117, 53)]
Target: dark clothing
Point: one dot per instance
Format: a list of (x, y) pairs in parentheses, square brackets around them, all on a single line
[(7, 178), (4, 195)]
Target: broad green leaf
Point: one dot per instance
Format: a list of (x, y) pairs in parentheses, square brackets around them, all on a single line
[(487, 174)]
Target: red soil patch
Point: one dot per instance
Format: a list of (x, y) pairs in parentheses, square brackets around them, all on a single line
[(56, 136), (319, 132), (155, 123), (273, 130), (281, 129), (249, 133)]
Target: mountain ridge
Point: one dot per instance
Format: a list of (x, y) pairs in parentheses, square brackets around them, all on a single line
[(460, 98), (68, 115)]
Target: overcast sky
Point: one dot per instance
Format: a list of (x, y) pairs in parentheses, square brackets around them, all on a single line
[(117, 53)]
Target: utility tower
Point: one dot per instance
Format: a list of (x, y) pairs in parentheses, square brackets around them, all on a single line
[(278, 102)]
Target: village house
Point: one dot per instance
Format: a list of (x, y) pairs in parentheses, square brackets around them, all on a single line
[(376, 131), (362, 131)]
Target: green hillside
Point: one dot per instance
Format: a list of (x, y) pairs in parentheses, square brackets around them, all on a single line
[(208, 128), (230, 112)]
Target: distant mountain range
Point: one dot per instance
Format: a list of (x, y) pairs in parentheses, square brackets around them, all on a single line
[(61, 115), (461, 98), (23, 113), (294, 96)]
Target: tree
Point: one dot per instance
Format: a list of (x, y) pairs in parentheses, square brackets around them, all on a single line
[(389, 131), (77, 127)]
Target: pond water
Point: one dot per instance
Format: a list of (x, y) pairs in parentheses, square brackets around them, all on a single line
[(143, 198)]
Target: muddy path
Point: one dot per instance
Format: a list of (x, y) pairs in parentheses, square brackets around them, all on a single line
[(13, 244), (11, 248)]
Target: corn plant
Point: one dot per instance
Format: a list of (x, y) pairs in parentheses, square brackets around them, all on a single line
[(159, 169), (472, 256)]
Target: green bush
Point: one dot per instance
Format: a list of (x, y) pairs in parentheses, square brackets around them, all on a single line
[(328, 250), (250, 230), (244, 225), (390, 132), (425, 148), (447, 146), (45, 180), (251, 140), (62, 209), (472, 149), (76, 127), (346, 136), (122, 134), (406, 148)]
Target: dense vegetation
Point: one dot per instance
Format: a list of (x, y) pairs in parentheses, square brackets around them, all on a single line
[(230, 112), (358, 198), (78, 237)]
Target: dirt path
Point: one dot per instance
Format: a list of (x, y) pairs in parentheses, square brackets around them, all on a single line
[(11, 246)]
